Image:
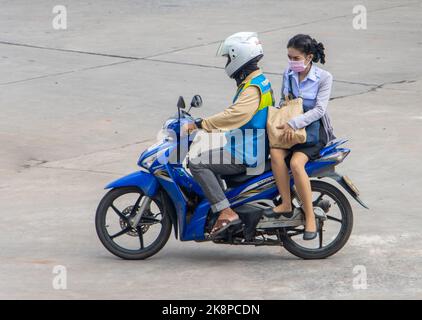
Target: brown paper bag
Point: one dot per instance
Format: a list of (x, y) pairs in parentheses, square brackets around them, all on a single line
[(278, 116)]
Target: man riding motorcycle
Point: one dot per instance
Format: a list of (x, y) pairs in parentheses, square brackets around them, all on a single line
[(247, 113)]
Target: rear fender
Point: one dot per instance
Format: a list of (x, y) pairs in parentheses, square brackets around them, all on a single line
[(339, 178)]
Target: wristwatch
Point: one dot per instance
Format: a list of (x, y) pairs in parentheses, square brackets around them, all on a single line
[(198, 123)]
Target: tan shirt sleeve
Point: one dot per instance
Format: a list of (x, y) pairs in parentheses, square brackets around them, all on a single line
[(237, 114)]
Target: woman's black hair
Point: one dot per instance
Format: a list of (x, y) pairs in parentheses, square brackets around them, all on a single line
[(307, 45)]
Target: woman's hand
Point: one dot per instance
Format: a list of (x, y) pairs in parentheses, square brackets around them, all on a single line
[(288, 131)]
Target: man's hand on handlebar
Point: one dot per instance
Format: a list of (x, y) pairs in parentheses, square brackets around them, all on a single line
[(189, 127)]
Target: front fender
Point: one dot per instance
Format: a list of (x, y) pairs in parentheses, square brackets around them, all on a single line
[(141, 179)]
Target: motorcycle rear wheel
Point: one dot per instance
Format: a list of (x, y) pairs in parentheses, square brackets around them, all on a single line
[(343, 235)]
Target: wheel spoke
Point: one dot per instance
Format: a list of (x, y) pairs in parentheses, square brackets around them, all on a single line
[(334, 219), (141, 237), (135, 207), (121, 215), (123, 231)]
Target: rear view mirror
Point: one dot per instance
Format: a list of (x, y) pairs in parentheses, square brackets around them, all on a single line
[(196, 101), (181, 103)]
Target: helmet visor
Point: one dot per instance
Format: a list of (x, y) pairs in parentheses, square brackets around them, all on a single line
[(221, 49)]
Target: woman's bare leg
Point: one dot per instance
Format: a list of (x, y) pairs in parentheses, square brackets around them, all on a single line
[(282, 178), (303, 186)]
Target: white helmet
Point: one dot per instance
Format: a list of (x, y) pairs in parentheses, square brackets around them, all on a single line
[(240, 48)]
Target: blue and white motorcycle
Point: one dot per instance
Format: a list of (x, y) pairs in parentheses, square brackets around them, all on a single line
[(134, 219)]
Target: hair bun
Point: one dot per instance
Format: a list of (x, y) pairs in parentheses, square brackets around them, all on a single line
[(320, 46), (319, 52)]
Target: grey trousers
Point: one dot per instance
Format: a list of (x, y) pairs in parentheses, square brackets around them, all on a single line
[(207, 169)]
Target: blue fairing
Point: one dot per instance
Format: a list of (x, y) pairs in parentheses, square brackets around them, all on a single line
[(143, 180), (332, 146)]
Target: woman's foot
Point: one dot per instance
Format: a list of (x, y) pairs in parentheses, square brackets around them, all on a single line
[(311, 229), (278, 211), (310, 225), (283, 208)]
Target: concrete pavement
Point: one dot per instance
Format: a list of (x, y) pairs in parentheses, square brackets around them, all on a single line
[(79, 105)]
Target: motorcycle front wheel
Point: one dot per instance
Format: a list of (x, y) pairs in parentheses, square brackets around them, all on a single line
[(116, 233)]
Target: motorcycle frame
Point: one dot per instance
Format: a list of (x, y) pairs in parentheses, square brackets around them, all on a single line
[(179, 186)]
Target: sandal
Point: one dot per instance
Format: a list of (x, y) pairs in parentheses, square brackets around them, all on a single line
[(222, 225)]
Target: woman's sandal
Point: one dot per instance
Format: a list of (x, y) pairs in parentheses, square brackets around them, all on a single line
[(222, 225)]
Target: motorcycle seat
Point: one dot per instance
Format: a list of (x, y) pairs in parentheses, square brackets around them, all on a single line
[(235, 180), (238, 179)]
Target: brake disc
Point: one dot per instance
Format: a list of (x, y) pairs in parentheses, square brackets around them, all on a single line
[(123, 224), (133, 232)]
